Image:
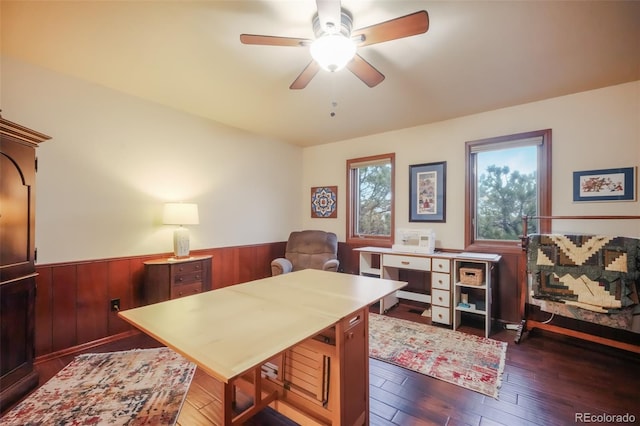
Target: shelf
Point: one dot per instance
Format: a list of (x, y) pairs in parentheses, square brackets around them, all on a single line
[(473, 311), (477, 295), (479, 287)]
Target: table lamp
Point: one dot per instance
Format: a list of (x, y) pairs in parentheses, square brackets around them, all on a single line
[(180, 214)]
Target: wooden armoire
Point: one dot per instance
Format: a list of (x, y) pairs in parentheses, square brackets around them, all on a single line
[(17, 260)]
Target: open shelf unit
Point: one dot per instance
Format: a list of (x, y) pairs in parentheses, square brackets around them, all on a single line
[(472, 274)]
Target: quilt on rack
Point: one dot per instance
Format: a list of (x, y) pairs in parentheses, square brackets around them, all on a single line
[(600, 274)]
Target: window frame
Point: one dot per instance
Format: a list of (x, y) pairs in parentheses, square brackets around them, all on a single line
[(544, 188), (360, 240)]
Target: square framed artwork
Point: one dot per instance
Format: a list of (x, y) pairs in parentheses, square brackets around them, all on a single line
[(427, 192), (324, 202), (605, 185)]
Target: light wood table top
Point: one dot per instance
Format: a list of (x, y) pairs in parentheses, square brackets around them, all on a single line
[(229, 331)]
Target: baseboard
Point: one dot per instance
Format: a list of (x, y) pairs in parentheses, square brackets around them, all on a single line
[(80, 348)]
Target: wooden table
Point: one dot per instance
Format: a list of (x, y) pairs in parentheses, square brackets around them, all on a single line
[(231, 333)]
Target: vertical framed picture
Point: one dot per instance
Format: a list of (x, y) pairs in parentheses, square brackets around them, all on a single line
[(427, 192), (605, 185), (324, 202)]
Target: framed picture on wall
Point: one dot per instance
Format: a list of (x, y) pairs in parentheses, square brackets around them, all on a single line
[(324, 202), (605, 185), (427, 187)]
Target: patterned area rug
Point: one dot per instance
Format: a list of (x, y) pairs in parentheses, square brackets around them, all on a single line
[(472, 362), (136, 387)]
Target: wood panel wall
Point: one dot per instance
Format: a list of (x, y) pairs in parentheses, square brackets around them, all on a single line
[(73, 299)]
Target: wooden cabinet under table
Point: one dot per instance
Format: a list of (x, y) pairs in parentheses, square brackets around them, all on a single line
[(170, 278), (309, 327)]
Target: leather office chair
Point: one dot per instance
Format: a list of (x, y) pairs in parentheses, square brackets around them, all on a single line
[(308, 250)]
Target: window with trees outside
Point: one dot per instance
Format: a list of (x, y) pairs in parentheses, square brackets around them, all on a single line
[(508, 177), (370, 210)]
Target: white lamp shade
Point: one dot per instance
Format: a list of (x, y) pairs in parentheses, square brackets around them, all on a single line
[(180, 214), (332, 51)]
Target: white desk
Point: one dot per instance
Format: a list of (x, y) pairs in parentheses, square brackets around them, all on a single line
[(232, 332), (445, 286)]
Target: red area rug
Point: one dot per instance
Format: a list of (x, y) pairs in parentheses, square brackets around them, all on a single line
[(469, 361), (139, 387)]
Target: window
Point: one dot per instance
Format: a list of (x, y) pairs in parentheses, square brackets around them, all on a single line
[(370, 189), (507, 177)]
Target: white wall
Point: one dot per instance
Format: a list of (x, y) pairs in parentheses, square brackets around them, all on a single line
[(597, 129), (114, 159)]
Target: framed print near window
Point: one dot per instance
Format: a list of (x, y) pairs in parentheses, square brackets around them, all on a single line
[(605, 185), (324, 202), (427, 185)]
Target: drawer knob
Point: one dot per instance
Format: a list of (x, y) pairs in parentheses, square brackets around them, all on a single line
[(404, 262), (439, 315), (440, 299)]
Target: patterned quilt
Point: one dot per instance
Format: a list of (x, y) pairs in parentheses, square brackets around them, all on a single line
[(594, 272)]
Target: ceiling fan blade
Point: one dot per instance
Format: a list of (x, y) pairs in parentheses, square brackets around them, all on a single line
[(305, 76), (365, 71), (329, 15), (274, 40), (404, 26)]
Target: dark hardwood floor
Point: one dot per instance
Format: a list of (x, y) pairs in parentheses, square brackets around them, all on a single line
[(548, 380)]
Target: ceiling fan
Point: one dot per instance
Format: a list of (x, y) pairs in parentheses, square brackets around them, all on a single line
[(335, 45)]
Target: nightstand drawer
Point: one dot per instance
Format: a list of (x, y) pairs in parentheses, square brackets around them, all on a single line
[(440, 315), (185, 290), (166, 279), (441, 281), (186, 268), (187, 278), (407, 262), (440, 298)]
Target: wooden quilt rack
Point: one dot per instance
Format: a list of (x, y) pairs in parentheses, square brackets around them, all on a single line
[(528, 324)]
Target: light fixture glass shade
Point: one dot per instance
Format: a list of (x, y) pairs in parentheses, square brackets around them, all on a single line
[(333, 51), (180, 214)]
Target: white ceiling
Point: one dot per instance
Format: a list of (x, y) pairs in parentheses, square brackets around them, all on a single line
[(476, 56)]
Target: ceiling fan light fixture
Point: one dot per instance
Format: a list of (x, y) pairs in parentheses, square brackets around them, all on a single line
[(333, 51)]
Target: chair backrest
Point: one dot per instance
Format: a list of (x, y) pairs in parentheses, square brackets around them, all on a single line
[(311, 249)]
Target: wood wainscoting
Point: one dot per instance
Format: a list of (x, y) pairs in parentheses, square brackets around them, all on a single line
[(73, 299)]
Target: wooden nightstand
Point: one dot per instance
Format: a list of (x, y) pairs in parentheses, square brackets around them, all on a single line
[(166, 279)]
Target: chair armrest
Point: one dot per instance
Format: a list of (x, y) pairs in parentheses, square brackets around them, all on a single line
[(331, 265), (280, 266)]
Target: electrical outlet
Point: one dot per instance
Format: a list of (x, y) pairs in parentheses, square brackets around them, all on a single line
[(115, 305)]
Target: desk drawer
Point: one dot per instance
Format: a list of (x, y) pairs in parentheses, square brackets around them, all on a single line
[(440, 298), (440, 265), (440, 315), (441, 281), (407, 262)]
